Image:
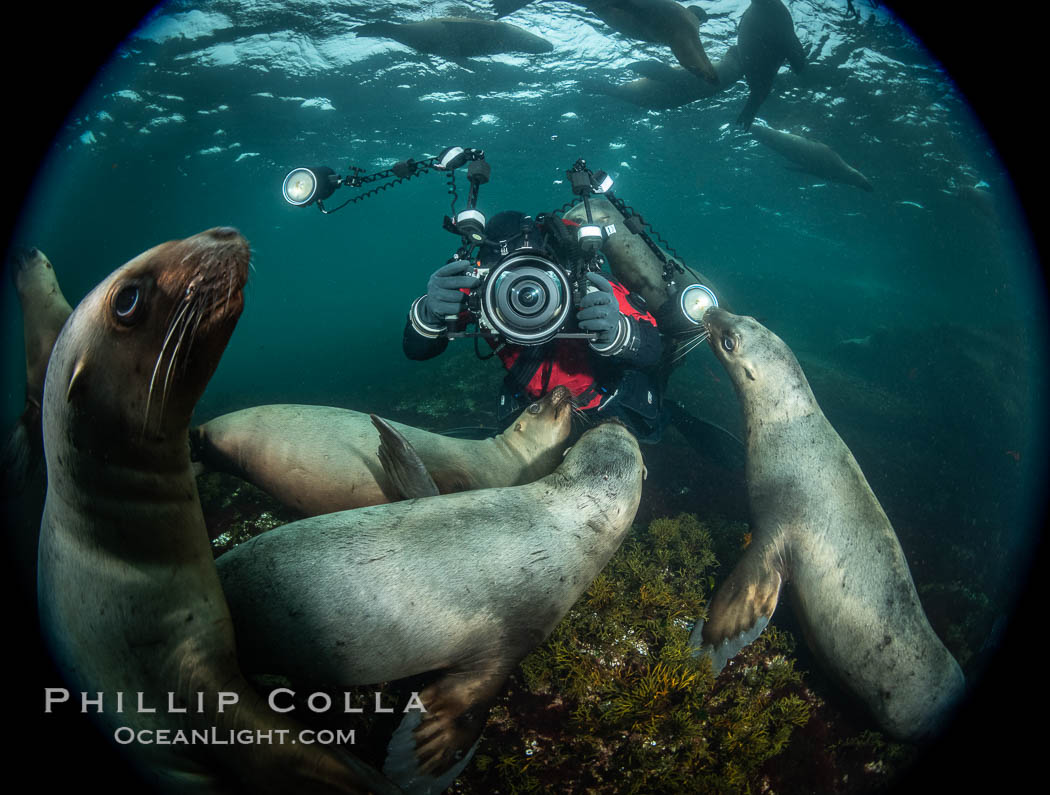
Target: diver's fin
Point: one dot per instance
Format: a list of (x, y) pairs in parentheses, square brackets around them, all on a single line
[(709, 439), (741, 609), (402, 463), (430, 749)]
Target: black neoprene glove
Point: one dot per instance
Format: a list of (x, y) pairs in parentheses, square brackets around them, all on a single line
[(599, 311), (443, 291)]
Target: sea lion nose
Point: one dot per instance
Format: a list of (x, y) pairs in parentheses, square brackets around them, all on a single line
[(224, 232)]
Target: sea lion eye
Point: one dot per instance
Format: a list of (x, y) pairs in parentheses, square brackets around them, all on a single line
[(534, 408), (126, 303), (728, 343)]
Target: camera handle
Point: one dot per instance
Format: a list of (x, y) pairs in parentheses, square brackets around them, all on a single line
[(462, 255)]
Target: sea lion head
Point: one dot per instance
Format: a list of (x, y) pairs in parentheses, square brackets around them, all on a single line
[(762, 367), (138, 351), (44, 310), (545, 423), (607, 460)]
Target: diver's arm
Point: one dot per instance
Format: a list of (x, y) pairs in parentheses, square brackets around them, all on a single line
[(446, 297), (623, 332), (422, 341), (637, 343)]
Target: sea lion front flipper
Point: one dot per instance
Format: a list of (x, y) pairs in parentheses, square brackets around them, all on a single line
[(429, 750), (402, 463), (742, 606)]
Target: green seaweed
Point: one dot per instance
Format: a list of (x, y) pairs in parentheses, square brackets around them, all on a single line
[(614, 701)]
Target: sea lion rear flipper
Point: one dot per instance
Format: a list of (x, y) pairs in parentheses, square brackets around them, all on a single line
[(402, 463), (429, 750), (741, 608)]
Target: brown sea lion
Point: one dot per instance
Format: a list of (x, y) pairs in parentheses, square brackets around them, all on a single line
[(321, 459), (818, 526), (462, 586), (130, 602), (23, 475)]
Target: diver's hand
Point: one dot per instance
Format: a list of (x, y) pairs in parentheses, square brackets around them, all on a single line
[(599, 311), (444, 297)]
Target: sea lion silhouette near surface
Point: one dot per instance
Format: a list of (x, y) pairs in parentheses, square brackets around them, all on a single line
[(459, 585), (662, 86), (321, 459), (455, 37), (130, 602), (811, 156), (765, 38), (818, 526), (655, 21)]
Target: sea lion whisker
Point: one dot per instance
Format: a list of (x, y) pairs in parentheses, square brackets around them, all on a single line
[(192, 318), (688, 346), (198, 312), (160, 355), (579, 415), (229, 290)]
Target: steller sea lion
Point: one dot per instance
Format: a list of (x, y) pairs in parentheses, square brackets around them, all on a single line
[(23, 475), (765, 37), (817, 525), (811, 156), (459, 585), (130, 602), (662, 86), (455, 37), (320, 459), (660, 22), (656, 21)]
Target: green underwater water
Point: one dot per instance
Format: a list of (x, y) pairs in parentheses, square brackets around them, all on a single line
[(942, 403)]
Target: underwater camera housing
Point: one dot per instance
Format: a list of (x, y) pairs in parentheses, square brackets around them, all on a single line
[(528, 294)]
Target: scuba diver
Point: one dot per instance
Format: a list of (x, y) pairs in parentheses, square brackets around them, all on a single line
[(611, 374)]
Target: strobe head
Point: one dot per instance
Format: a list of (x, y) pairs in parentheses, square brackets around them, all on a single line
[(684, 310), (526, 298), (471, 225), (694, 300), (304, 185), (590, 237)]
